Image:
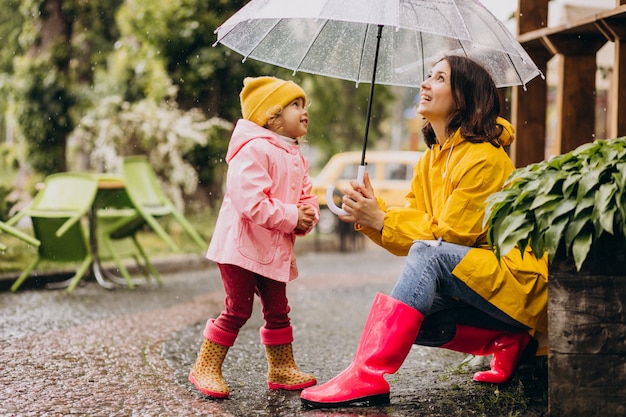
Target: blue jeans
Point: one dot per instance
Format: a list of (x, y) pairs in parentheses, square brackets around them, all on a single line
[(427, 284)]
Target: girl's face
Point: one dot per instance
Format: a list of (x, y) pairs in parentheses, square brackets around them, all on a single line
[(436, 102), (293, 121)]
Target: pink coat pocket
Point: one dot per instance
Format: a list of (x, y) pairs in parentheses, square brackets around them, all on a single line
[(257, 243)]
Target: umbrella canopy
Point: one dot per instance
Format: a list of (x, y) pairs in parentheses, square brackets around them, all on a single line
[(339, 38), (392, 42)]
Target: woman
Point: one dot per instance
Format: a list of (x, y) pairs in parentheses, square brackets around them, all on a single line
[(452, 292)]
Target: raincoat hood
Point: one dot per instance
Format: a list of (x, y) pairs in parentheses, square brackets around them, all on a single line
[(244, 132), (508, 132)]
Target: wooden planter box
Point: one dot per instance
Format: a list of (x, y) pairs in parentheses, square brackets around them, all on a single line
[(587, 337)]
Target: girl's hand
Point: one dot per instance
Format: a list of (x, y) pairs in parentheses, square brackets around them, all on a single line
[(361, 205), (306, 218)]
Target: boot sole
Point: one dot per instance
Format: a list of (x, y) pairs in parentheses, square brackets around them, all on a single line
[(274, 386), (379, 399)]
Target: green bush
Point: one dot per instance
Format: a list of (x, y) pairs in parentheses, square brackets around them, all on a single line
[(572, 206)]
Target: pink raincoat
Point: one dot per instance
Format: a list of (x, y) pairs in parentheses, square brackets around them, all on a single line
[(267, 179)]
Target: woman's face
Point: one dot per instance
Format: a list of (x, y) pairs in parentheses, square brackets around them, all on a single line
[(436, 102)]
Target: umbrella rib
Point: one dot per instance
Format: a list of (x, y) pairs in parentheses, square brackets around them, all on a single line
[(321, 28), (245, 56), (421, 44), (358, 73), (508, 55), (263, 37), (519, 76)]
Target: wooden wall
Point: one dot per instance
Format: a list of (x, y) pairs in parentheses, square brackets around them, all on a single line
[(577, 44)]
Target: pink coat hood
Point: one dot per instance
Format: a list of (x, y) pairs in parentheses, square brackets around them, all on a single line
[(266, 181)]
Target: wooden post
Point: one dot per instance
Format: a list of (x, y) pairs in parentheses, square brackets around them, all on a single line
[(615, 30), (587, 345), (576, 91), (529, 108)]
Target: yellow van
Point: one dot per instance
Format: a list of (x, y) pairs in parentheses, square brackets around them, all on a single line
[(390, 172)]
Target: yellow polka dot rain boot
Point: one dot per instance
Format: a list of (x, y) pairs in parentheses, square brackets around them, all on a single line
[(283, 373), (206, 373)]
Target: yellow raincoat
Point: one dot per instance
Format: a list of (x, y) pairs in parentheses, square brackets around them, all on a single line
[(447, 201)]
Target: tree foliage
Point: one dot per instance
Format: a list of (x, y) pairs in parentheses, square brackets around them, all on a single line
[(65, 60), (338, 113), (42, 103), (160, 130)]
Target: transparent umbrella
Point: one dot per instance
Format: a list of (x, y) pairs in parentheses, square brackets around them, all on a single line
[(392, 42)]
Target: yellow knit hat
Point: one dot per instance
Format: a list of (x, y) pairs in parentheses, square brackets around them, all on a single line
[(261, 95)]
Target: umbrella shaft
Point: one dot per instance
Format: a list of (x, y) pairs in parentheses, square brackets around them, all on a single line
[(369, 104)]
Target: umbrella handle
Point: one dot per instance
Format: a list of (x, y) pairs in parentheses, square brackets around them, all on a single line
[(331, 189)]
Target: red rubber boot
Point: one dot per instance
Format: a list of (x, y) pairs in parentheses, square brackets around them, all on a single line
[(506, 347), (388, 335)]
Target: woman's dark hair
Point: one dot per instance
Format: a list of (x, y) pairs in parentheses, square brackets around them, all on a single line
[(477, 103)]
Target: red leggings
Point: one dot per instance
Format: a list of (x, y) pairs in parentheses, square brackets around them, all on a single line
[(240, 286)]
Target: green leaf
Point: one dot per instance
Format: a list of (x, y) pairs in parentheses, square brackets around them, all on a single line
[(543, 199), (542, 214), (581, 248), (517, 238), (559, 162), (564, 207), (493, 208), (622, 210), (537, 243), (570, 186), (605, 206), (606, 220), (574, 229), (550, 182), (524, 196), (511, 229), (587, 149), (584, 204), (554, 235), (618, 176), (588, 182)]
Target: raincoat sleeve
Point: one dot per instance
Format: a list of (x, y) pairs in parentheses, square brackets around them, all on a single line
[(249, 172), (448, 210)]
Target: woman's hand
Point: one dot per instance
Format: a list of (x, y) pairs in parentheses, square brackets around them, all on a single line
[(361, 205)]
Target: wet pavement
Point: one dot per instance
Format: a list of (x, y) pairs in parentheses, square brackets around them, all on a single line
[(127, 353)]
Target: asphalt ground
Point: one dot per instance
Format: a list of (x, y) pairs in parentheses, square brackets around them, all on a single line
[(124, 352)]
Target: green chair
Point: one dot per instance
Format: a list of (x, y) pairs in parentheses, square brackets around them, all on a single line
[(18, 234), (117, 224), (56, 213), (151, 202)]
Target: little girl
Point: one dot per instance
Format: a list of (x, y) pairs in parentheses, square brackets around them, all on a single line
[(268, 202)]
